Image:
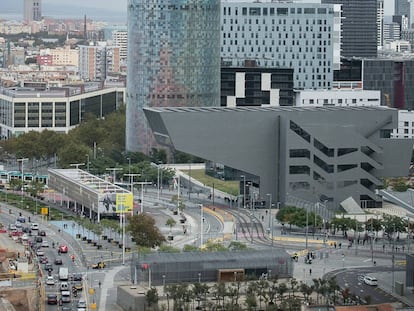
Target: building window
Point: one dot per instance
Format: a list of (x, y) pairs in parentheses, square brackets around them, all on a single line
[(301, 132), (299, 169), (299, 153)]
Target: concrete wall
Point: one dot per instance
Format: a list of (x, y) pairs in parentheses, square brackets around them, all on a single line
[(130, 299)]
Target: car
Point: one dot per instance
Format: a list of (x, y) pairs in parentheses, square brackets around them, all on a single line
[(81, 305), (50, 280), (99, 265), (77, 285), (63, 248), (58, 261), (65, 296), (77, 276), (45, 243), (21, 219), (370, 280), (64, 286), (41, 233), (48, 267), (34, 226), (38, 239), (12, 227), (25, 237), (40, 252), (18, 224), (361, 277), (66, 308), (43, 259), (52, 299), (26, 229)]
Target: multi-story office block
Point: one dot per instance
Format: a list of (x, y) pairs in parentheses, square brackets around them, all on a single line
[(173, 60), (305, 37), (32, 10), (380, 21), (359, 27), (56, 109), (403, 8), (392, 32), (256, 86), (120, 39), (394, 77), (316, 154)]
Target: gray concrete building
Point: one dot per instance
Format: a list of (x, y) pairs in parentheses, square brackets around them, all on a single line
[(317, 154)]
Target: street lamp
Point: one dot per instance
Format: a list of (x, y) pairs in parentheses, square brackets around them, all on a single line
[(270, 214), (201, 225), (22, 189), (244, 190)]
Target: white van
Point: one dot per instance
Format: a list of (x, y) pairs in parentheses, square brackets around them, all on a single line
[(370, 280), (63, 273)]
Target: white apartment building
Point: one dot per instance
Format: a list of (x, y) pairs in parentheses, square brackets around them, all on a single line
[(337, 97), (92, 60), (120, 39), (302, 36)]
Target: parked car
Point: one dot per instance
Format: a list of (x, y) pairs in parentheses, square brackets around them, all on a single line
[(63, 248), (52, 299), (50, 280)]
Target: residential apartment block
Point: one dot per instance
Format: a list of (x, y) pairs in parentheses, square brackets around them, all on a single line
[(305, 37)]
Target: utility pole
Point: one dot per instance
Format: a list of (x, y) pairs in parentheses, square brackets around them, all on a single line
[(114, 169)]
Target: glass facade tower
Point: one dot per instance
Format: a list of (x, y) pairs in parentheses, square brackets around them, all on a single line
[(173, 60)]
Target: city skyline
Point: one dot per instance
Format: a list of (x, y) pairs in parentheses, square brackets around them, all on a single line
[(98, 8)]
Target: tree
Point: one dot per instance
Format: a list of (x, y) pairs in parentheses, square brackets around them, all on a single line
[(152, 296), (144, 231), (237, 246), (393, 224), (170, 223)]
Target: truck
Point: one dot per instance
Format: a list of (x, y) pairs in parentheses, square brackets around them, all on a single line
[(63, 274)]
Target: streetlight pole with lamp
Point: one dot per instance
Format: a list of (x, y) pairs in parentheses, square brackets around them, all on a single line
[(22, 166), (201, 225), (270, 216)]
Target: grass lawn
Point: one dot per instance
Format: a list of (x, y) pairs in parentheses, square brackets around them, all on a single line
[(231, 187)]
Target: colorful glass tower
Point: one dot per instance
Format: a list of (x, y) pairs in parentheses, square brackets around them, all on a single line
[(173, 60)]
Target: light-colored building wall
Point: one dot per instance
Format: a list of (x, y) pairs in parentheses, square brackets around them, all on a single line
[(342, 98), (120, 39), (32, 10), (65, 56), (305, 37), (24, 109), (405, 125)]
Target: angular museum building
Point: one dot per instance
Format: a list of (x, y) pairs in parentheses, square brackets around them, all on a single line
[(173, 60), (316, 154)]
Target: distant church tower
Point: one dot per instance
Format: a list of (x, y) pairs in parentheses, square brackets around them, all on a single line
[(32, 10)]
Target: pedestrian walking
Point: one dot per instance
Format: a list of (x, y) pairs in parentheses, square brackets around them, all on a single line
[(310, 271)]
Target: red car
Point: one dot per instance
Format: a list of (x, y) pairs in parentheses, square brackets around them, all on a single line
[(63, 248)]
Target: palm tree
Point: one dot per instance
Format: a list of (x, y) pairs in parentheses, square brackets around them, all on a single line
[(306, 291), (261, 287)]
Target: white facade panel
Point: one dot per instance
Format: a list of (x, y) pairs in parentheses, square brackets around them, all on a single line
[(240, 84)]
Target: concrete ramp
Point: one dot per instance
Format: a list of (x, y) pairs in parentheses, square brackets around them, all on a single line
[(351, 206)]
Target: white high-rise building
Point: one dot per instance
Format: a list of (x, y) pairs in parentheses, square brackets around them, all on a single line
[(305, 37), (32, 10), (120, 39)]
